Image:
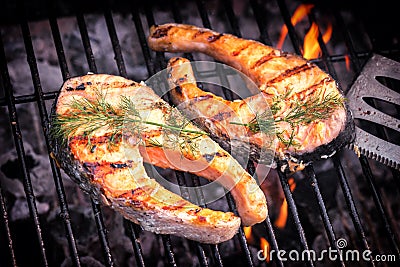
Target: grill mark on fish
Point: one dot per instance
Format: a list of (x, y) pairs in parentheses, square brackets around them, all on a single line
[(218, 154), (161, 32), (214, 37), (176, 206), (120, 165), (240, 50), (198, 33), (291, 72), (202, 219), (222, 116), (316, 85), (133, 193), (173, 60), (137, 197), (105, 167), (80, 87), (264, 59), (80, 139)]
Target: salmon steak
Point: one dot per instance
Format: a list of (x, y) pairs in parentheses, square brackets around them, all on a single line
[(306, 106), (103, 129)]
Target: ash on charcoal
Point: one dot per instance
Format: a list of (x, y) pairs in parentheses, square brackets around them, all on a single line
[(11, 178), (88, 242), (85, 261)]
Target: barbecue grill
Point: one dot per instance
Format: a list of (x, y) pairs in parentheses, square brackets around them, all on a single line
[(360, 190)]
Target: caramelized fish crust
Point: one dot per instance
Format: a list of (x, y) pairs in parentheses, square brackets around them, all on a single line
[(276, 73), (116, 176)]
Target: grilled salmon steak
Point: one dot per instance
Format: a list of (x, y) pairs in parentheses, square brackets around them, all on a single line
[(310, 115), (103, 128)]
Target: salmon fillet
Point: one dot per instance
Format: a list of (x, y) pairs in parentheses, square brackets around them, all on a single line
[(278, 75), (108, 164)]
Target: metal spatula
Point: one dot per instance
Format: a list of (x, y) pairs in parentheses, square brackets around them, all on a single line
[(365, 90)]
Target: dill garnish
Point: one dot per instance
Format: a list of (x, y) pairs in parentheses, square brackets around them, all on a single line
[(86, 116), (298, 112)]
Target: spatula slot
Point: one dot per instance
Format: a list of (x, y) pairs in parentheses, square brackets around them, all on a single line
[(380, 131), (391, 83), (386, 107)]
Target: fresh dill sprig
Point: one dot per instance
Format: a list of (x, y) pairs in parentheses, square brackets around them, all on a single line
[(314, 108), (173, 137), (299, 113), (263, 122), (89, 115)]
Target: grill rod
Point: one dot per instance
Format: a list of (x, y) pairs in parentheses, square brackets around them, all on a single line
[(19, 145), (64, 215), (350, 204), (12, 260), (292, 207), (322, 209), (21, 99)]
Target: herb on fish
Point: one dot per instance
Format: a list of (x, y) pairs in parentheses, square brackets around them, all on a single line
[(89, 115), (298, 113), (263, 122)]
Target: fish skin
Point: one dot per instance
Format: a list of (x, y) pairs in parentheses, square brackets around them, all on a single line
[(275, 73), (115, 175)]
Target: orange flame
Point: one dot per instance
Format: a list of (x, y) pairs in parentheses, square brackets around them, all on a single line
[(265, 246), (247, 232), (300, 12), (347, 60), (292, 184), (280, 222), (311, 48)]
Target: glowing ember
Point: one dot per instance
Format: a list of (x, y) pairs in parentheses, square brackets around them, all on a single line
[(302, 11), (264, 244), (280, 222)]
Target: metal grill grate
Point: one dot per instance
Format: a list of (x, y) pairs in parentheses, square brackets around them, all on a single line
[(154, 63)]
